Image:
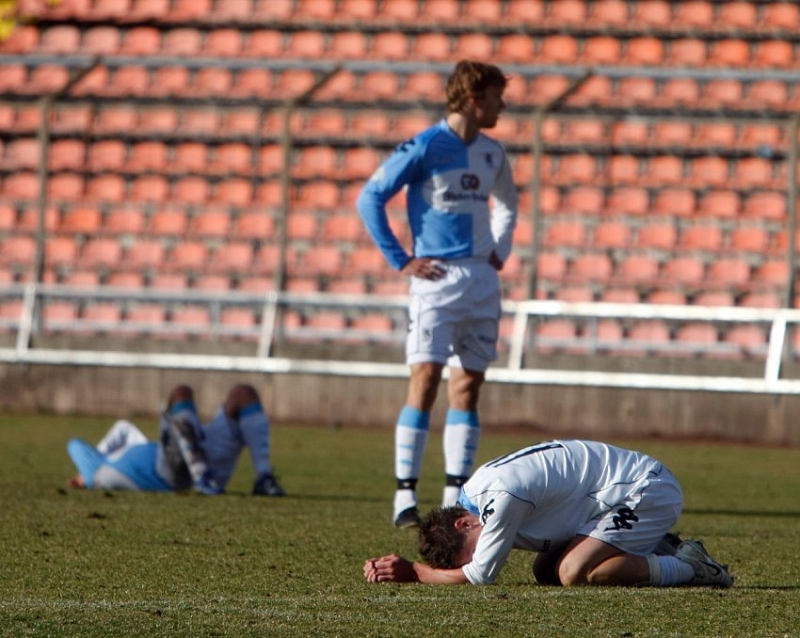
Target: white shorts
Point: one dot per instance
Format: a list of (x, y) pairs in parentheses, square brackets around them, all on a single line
[(454, 320), (637, 524)]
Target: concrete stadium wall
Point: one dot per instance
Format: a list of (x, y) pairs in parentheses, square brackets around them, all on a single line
[(359, 402)]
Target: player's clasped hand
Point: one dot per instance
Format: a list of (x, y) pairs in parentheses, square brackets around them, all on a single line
[(390, 569), (424, 268)]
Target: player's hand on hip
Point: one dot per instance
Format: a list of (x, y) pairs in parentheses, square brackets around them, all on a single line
[(495, 261), (424, 268)]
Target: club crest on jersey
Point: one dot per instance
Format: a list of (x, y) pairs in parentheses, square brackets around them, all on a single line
[(489, 159), (470, 182)]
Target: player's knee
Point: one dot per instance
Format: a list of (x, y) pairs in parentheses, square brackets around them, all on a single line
[(572, 572), (181, 393), (240, 396)]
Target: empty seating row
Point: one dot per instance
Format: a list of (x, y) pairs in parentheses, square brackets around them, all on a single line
[(242, 159), (317, 44), (275, 85), (678, 201), (748, 17)]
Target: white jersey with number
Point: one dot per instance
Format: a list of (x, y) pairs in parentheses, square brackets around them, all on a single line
[(542, 496)]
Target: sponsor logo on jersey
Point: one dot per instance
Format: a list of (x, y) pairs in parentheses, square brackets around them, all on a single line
[(488, 510), (470, 182)]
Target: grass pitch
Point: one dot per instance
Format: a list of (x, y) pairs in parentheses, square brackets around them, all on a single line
[(89, 563)]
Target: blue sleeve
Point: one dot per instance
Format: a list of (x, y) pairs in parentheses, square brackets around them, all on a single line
[(402, 167)]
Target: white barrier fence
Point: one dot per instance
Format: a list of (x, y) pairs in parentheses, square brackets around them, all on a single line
[(521, 315)]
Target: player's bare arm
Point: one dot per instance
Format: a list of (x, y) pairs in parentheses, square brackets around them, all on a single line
[(396, 569)]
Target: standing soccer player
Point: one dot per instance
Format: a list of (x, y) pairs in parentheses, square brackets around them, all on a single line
[(452, 172)]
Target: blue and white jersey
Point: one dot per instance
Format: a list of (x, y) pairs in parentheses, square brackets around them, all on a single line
[(541, 496), (449, 185)]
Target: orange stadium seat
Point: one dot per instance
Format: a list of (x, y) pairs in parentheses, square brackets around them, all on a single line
[(738, 15), (107, 155), (435, 11), (729, 271), (636, 269), (601, 49), (769, 205), (683, 270), (680, 92), (83, 219), (433, 46), (774, 54), (424, 85), (187, 256), (723, 92), (131, 280), (515, 48), (631, 132), (182, 42), (170, 81), (60, 251), (348, 45), (316, 9), (624, 169), (666, 298), (144, 254), (653, 13), (565, 233), (253, 224), (149, 188), (67, 154), (773, 93), (590, 267), (147, 156), (209, 223), (306, 44), (754, 172), (525, 12), (749, 239), (211, 82), (100, 252), (611, 234), (761, 300), (710, 170), (224, 43), (233, 157), (22, 39), (389, 45), (687, 52), (168, 221), (555, 334), (585, 131), (232, 257), (701, 237), (720, 134), (680, 202), (103, 188), (752, 339), (695, 14), (61, 39), (190, 190), (366, 261), (589, 200), (644, 51), (115, 119), (661, 236), (558, 49), (696, 338), (233, 191), (719, 203), (359, 10), (772, 273), (168, 281), (629, 200), (718, 298), (781, 15), (141, 42)]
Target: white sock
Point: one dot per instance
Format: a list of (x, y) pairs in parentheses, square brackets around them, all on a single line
[(450, 495), (668, 571), (461, 435), (403, 499)]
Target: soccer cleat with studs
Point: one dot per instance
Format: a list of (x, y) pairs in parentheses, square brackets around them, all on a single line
[(267, 485), (408, 518), (708, 572)]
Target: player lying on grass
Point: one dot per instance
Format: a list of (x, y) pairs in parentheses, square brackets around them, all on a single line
[(188, 453), (595, 514)]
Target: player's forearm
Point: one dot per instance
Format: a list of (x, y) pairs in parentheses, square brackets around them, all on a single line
[(429, 575)]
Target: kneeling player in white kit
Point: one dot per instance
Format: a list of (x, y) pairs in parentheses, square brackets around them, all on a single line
[(462, 209), (188, 453), (595, 514)]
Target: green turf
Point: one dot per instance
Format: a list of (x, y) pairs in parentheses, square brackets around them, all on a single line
[(87, 563)]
